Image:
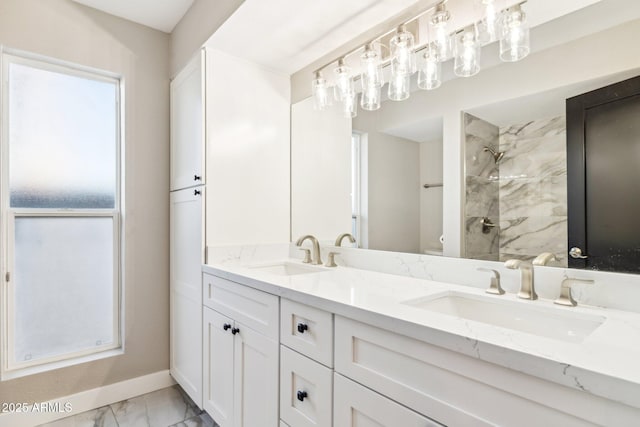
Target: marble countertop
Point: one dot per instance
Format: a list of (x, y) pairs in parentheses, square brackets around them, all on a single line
[(605, 363)]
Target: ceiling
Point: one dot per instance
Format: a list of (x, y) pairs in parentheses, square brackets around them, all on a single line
[(162, 15), (287, 35), (288, 42)]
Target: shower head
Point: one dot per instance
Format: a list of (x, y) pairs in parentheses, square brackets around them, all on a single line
[(497, 155)]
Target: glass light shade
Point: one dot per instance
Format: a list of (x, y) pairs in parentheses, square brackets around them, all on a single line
[(514, 44), (350, 105), (429, 74), (371, 68), (322, 98), (344, 82), (371, 98), (403, 58), (399, 87), (441, 37), (467, 60), (490, 25)]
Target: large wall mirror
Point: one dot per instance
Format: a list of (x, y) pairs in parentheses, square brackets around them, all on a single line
[(476, 168)]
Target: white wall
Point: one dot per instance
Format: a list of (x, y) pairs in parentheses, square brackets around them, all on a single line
[(68, 31), (430, 198), (202, 19), (247, 149), (321, 158)]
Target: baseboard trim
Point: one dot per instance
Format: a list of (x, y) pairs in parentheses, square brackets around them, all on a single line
[(90, 399)]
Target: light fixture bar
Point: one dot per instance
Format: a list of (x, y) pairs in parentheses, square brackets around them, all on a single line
[(377, 39)]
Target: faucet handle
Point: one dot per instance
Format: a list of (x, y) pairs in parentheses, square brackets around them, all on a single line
[(544, 258), (494, 286), (307, 255), (330, 259), (565, 297)]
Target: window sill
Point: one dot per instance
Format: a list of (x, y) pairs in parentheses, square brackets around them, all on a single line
[(45, 367)]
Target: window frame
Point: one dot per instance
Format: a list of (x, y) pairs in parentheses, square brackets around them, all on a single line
[(10, 368)]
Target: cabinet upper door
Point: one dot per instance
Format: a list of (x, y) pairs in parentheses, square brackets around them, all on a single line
[(187, 125)]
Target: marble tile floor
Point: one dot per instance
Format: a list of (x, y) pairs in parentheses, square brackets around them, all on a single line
[(168, 407)]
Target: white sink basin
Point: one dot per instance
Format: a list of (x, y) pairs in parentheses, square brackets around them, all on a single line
[(559, 324), (287, 268)]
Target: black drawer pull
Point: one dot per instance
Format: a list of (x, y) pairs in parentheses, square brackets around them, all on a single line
[(226, 326), (302, 327), (301, 395), (196, 192), (235, 331), (197, 178)]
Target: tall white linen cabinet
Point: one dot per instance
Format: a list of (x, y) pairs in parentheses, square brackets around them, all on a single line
[(187, 245), (230, 161)]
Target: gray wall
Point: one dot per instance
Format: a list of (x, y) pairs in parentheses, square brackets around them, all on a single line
[(65, 30)]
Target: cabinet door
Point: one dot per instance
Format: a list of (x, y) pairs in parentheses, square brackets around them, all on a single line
[(255, 379), (185, 265), (358, 406), (218, 367), (187, 125)]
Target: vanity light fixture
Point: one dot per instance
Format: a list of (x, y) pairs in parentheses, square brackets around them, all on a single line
[(403, 57), (514, 44), (490, 25), (344, 88), (430, 71), (322, 97), (467, 58), (442, 37), (350, 105), (399, 87), (371, 79), (508, 25)]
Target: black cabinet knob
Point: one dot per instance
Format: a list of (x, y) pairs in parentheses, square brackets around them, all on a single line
[(197, 178), (196, 192), (301, 395), (235, 331), (226, 326), (302, 327)]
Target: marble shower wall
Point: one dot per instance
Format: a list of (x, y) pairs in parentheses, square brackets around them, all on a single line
[(482, 189), (533, 190)]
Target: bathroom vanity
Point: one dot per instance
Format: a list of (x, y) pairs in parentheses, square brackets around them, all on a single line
[(345, 347)]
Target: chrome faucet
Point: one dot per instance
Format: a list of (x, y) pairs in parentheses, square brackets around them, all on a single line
[(544, 258), (317, 260), (527, 290), (341, 238)]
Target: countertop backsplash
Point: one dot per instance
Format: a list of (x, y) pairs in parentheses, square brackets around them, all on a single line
[(610, 290)]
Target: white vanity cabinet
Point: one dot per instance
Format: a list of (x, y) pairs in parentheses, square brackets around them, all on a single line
[(357, 406), (455, 389), (240, 354), (306, 362)]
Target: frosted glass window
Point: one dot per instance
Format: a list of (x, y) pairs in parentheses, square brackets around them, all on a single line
[(62, 139), (63, 286), (60, 213)]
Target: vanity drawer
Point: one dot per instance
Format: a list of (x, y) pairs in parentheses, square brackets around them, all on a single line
[(355, 405), (305, 391), (307, 330), (253, 308)]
